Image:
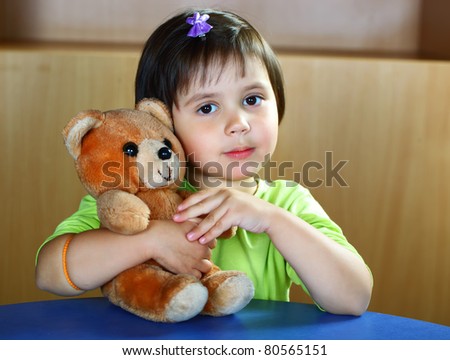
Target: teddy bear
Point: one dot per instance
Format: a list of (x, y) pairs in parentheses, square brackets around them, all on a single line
[(131, 161)]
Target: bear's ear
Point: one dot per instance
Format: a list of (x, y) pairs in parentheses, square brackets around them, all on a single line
[(157, 109), (78, 127)]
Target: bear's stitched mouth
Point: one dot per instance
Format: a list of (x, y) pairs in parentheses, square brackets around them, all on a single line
[(167, 178)]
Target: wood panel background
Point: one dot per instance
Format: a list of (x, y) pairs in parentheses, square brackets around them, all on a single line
[(381, 26), (387, 119), (40, 90)]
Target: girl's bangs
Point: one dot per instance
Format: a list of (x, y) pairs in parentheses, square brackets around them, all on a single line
[(205, 65)]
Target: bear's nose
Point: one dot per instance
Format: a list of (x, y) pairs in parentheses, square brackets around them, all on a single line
[(164, 153)]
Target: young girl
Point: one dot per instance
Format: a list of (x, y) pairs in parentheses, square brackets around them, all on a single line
[(224, 86)]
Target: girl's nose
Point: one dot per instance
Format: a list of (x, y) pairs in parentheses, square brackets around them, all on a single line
[(237, 124)]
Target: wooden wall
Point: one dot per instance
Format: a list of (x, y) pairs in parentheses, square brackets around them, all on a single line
[(390, 27), (434, 32), (388, 119), (40, 90), (379, 26)]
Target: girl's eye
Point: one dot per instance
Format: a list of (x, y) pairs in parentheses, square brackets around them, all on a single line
[(252, 100), (207, 109)]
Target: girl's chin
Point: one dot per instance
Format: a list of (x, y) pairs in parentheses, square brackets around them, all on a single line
[(215, 180), (234, 171), (242, 172)]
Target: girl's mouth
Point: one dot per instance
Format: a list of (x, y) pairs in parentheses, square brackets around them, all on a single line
[(240, 153)]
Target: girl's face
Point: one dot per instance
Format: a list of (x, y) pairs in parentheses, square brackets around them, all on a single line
[(228, 124)]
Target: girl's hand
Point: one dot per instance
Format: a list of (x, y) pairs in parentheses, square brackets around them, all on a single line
[(223, 208), (173, 252), (96, 256)]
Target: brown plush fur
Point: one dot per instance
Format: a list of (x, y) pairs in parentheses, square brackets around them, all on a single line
[(133, 189)]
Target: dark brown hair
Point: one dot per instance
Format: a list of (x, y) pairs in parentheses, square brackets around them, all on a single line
[(170, 59)]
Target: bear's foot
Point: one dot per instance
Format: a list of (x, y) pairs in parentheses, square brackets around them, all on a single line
[(229, 292), (154, 294), (186, 304)]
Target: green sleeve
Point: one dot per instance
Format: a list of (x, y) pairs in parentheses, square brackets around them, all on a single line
[(308, 209), (84, 219), (299, 201)]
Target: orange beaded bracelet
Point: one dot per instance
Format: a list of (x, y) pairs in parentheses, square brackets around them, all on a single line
[(64, 262)]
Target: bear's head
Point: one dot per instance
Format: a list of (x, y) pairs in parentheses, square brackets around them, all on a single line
[(125, 149)]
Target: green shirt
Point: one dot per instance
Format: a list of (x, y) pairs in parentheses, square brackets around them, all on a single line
[(251, 253)]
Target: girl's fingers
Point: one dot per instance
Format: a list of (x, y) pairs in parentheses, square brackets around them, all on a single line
[(216, 223), (198, 208), (202, 228), (204, 266), (220, 210), (193, 199)]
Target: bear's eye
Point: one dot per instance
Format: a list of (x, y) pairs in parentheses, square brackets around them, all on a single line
[(130, 149), (167, 143)]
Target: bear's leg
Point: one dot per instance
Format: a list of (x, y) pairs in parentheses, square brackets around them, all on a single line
[(229, 292), (150, 292)]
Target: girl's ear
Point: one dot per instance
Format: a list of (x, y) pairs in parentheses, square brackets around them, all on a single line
[(78, 127), (157, 109)]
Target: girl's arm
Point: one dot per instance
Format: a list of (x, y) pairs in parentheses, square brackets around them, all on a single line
[(337, 279), (96, 256)]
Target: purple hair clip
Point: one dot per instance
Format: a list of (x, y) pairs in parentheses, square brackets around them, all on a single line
[(199, 25)]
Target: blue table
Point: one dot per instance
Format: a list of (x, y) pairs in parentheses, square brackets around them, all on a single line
[(96, 318)]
